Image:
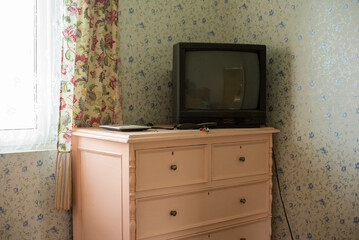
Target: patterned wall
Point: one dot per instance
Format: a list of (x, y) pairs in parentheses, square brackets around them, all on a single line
[(313, 88), (26, 197), (313, 100)]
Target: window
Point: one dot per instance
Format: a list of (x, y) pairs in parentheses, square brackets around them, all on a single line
[(30, 75)]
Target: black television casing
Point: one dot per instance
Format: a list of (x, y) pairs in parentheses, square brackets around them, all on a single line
[(225, 118)]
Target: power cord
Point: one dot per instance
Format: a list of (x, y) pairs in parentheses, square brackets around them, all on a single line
[(280, 194)]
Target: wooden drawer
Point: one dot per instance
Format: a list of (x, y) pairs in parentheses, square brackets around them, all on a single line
[(232, 160), (168, 167), (156, 216), (253, 231)]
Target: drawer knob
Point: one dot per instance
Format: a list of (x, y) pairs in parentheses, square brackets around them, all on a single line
[(242, 238), (173, 213), (174, 167), (242, 159), (243, 200)]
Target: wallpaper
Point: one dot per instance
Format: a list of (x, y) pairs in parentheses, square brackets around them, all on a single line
[(26, 198), (312, 97), (313, 87)]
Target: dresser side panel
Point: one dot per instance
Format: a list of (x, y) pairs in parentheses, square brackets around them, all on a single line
[(100, 186)]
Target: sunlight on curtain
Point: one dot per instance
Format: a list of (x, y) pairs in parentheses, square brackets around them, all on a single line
[(90, 87), (30, 72), (63, 185)]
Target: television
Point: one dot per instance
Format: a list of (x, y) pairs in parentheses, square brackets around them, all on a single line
[(220, 83)]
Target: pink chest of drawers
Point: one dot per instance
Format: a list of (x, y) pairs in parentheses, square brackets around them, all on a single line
[(180, 184)]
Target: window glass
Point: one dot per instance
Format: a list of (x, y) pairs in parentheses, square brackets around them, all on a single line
[(30, 74)]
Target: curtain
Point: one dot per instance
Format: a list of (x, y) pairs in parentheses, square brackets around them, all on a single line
[(90, 88)]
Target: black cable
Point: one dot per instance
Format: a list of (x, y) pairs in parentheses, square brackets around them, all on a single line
[(164, 128), (159, 127), (280, 194)]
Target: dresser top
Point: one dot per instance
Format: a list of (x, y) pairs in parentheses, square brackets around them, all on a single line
[(163, 135)]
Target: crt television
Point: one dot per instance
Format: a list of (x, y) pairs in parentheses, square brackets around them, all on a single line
[(221, 83)]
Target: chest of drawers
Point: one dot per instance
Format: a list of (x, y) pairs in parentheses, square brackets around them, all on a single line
[(172, 184)]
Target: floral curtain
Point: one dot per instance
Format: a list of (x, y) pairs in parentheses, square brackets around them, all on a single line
[(90, 88)]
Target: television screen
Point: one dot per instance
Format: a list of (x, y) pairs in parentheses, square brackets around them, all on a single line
[(219, 82), (227, 80)]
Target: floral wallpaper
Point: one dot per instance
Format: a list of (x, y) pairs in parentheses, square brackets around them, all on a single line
[(313, 65), (312, 92), (26, 198), (312, 97)]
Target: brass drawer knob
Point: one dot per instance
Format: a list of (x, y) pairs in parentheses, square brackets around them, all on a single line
[(173, 213), (242, 159), (243, 200), (174, 167)]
